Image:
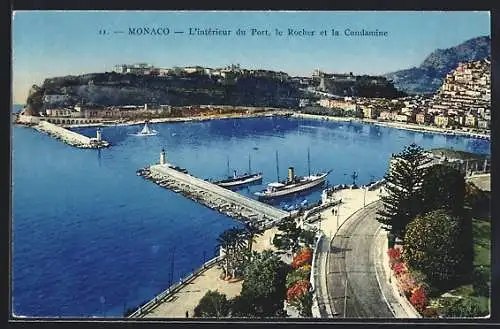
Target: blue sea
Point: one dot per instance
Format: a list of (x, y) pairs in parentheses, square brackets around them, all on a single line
[(90, 238)]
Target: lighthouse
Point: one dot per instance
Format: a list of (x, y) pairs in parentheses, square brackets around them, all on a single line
[(98, 135), (163, 160)]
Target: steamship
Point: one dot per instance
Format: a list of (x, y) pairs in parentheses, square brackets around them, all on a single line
[(238, 180), (293, 184)]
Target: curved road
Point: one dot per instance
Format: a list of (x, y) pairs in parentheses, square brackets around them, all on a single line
[(351, 264)]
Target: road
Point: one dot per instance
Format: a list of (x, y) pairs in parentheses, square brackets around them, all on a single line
[(351, 269)]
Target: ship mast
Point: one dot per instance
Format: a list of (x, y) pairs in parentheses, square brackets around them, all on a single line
[(228, 174), (308, 162), (277, 167), (249, 165)]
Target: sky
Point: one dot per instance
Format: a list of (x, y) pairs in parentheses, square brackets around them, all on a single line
[(56, 43)]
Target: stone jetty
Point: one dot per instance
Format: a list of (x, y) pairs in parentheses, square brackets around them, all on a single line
[(70, 137), (213, 196)]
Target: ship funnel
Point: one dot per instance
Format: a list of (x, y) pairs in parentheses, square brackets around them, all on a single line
[(291, 174)]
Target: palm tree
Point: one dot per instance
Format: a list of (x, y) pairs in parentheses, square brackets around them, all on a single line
[(238, 237), (232, 241), (251, 232), (224, 241)]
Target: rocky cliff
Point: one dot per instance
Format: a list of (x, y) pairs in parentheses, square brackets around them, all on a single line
[(113, 89)]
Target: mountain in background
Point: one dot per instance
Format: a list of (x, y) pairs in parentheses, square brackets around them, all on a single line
[(429, 76)]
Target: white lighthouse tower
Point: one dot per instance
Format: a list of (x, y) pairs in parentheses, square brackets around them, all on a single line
[(98, 135), (163, 159)]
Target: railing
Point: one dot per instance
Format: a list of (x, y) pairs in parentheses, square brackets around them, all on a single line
[(314, 277), (317, 209), (173, 289), (376, 185)]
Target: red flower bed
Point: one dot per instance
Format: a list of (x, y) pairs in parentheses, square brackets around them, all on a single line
[(394, 253), (419, 299), (303, 257), (399, 268), (407, 283), (298, 289)]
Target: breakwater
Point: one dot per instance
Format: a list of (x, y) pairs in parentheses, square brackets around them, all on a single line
[(213, 196), (70, 137)]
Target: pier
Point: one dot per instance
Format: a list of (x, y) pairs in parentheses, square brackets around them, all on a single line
[(215, 197), (70, 137)]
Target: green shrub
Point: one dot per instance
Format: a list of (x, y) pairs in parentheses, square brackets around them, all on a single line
[(465, 307)]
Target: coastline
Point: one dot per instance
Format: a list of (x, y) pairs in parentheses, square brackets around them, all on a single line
[(183, 119), (283, 112), (397, 125)]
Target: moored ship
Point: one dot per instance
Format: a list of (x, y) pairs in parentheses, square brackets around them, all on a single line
[(293, 184), (238, 180)]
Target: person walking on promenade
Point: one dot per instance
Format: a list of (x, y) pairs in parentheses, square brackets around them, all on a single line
[(187, 314)]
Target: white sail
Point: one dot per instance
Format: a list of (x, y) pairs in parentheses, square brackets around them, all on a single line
[(146, 129)]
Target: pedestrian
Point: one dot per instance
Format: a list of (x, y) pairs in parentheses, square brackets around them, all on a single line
[(187, 314)]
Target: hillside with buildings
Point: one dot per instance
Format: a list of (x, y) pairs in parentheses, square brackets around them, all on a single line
[(428, 77), (463, 101)]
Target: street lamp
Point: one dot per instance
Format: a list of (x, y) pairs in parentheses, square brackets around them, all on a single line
[(364, 197), (338, 211)]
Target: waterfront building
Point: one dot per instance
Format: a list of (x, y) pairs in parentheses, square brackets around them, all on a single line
[(370, 112), (442, 120), (483, 124), (423, 118), (402, 118), (59, 112)]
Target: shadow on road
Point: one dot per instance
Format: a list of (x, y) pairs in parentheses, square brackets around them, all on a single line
[(336, 250)]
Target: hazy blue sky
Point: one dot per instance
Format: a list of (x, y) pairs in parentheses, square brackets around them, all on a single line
[(54, 43)]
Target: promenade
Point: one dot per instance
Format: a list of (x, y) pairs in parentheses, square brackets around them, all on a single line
[(189, 295), (187, 298)]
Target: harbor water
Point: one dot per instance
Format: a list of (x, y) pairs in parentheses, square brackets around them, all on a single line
[(91, 238)]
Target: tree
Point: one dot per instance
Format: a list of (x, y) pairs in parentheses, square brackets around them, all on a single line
[(403, 182), (251, 232), (443, 187), (465, 307), (289, 237), (263, 290), (212, 304), (432, 246), (232, 241)]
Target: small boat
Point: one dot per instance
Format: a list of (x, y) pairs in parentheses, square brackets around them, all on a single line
[(293, 184), (238, 180), (146, 131)]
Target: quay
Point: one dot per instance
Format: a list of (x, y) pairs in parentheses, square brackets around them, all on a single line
[(70, 137), (233, 204)]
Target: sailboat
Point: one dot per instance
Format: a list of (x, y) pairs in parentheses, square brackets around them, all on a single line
[(293, 183), (238, 180), (146, 131)]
